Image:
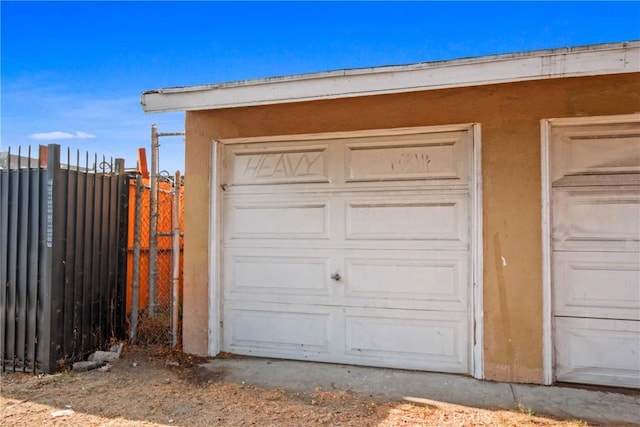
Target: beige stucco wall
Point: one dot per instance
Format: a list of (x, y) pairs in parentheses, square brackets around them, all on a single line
[(510, 116)]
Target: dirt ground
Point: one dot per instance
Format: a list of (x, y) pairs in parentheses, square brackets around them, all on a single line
[(150, 387)]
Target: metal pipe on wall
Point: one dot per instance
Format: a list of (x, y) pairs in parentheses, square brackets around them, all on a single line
[(175, 260)]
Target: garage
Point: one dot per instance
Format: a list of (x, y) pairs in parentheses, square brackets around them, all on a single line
[(595, 256), (316, 226), (350, 248)]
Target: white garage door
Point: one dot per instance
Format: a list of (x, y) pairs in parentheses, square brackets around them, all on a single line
[(350, 250), (596, 253)]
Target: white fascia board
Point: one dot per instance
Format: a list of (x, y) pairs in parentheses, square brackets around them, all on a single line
[(592, 60)]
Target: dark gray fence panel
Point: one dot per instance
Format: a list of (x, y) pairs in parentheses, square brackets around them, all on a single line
[(63, 234), (87, 277), (98, 213), (122, 250), (12, 266), (35, 213), (43, 336), (78, 258), (56, 285), (111, 251), (70, 302), (4, 248), (21, 291)]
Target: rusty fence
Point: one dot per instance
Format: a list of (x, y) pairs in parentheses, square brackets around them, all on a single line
[(63, 257)]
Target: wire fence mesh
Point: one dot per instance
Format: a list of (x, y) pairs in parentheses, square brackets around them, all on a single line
[(152, 319)]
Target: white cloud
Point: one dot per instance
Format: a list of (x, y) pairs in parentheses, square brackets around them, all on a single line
[(51, 136), (84, 135)]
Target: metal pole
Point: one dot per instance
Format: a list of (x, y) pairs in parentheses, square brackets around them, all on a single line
[(175, 261), (153, 223), (135, 291)]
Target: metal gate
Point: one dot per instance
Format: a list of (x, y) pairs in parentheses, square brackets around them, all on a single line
[(155, 251), (63, 235)]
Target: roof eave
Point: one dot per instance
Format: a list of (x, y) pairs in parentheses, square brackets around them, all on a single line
[(613, 58)]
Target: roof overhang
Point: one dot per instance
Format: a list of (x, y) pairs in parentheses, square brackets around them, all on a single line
[(593, 60)]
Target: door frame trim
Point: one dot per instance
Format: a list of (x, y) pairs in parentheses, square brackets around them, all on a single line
[(546, 125), (215, 242), (216, 226), (477, 253)]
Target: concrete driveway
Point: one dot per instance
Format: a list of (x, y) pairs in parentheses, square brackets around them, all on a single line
[(607, 406)]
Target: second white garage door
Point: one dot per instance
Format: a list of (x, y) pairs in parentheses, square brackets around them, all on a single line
[(350, 250), (596, 250)]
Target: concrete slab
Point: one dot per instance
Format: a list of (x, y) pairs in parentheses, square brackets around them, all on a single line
[(609, 407), (603, 407)]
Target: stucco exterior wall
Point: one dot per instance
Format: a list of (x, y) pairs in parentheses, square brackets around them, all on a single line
[(510, 116)]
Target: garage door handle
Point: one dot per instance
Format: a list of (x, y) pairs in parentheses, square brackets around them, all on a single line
[(336, 277)]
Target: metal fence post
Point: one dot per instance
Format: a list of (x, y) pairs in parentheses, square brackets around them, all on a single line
[(135, 286), (52, 276), (153, 224), (122, 248)]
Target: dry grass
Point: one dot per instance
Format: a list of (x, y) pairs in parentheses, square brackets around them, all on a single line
[(153, 330), (152, 388)]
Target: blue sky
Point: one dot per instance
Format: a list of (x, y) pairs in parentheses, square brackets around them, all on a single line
[(72, 72)]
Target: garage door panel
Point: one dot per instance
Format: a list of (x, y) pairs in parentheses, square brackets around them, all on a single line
[(593, 219), (595, 171), (438, 219), (296, 163), (596, 149), (363, 244), (584, 351), (263, 328), (273, 278), (422, 280), (432, 341), (294, 220), (349, 250), (597, 284), (440, 156)]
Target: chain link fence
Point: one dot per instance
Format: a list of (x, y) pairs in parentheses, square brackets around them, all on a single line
[(155, 288)]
